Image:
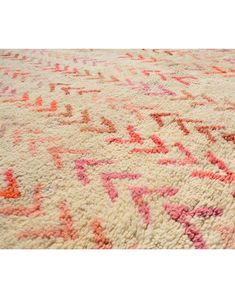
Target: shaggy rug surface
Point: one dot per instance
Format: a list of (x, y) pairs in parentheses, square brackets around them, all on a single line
[(117, 148)]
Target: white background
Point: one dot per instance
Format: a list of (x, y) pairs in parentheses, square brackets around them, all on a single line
[(118, 273), (116, 24)]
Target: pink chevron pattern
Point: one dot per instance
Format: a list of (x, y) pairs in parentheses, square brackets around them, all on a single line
[(110, 149)]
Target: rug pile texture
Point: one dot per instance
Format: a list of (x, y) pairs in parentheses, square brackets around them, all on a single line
[(117, 148)]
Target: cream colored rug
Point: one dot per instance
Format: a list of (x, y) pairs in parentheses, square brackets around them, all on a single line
[(117, 148)]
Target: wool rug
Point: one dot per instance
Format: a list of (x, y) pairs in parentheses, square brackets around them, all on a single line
[(117, 148)]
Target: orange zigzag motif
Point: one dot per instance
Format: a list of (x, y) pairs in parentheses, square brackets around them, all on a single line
[(33, 210), (85, 119), (24, 98), (53, 86), (51, 108), (188, 160), (12, 189), (68, 112), (183, 81), (181, 124), (38, 103), (158, 117), (218, 70), (110, 127), (66, 229), (206, 130), (139, 58), (228, 178), (230, 138), (182, 214), (101, 241), (159, 148), (57, 151), (133, 137)]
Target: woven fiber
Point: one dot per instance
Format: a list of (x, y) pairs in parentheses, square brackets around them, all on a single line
[(117, 148)]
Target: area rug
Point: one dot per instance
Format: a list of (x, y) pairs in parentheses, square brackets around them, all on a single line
[(117, 148)]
